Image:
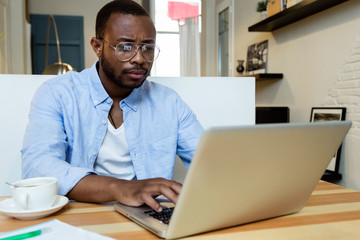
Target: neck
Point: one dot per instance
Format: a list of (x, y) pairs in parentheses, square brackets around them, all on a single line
[(115, 92)]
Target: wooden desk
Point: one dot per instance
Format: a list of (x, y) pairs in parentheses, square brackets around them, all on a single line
[(332, 212)]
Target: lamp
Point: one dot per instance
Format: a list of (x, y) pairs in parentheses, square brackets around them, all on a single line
[(58, 67)]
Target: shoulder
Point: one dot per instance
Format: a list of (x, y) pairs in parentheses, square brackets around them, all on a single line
[(66, 82), (158, 89), (70, 78), (162, 96)]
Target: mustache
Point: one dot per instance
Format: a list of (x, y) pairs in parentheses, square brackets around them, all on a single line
[(135, 69)]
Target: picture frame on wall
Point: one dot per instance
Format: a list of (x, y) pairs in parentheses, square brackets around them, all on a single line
[(319, 114), (257, 57)]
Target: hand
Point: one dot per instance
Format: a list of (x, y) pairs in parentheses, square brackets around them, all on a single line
[(95, 188), (139, 192)]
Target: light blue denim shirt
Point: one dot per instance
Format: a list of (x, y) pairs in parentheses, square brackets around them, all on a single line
[(68, 122)]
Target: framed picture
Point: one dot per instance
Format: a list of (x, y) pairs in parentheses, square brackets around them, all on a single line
[(330, 114), (257, 56)]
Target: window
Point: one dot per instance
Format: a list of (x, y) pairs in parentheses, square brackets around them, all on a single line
[(169, 17), (224, 38)]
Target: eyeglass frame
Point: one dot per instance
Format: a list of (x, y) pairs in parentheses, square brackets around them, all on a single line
[(137, 45)]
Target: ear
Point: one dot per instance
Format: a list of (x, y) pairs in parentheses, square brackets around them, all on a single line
[(96, 45)]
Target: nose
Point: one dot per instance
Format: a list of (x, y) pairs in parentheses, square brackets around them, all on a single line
[(138, 57)]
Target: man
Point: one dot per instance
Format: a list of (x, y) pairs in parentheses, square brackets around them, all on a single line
[(108, 134)]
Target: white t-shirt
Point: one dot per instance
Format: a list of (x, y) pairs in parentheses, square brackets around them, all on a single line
[(114, 156)]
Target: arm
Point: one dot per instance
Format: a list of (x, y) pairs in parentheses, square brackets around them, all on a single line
[(46, 147), (94, 188), (189, 133)]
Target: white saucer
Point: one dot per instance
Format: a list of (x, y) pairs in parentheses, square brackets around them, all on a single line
[(9, 208)]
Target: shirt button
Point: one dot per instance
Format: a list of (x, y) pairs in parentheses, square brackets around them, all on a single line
[(96, 102), (94, 153), (109, 101), (104, 122)]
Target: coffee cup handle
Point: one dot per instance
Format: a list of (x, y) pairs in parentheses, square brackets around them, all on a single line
[(24, 201)]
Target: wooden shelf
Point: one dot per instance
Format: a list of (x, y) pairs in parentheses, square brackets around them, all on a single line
[(292, 14), (266, 76)]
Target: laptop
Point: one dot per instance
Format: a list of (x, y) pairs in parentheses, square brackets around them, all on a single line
[(244, 174)]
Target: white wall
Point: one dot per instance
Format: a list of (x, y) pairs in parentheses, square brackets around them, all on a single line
[(346, 92), (20, 38), (312, 54), (4, 37), (15, 48)]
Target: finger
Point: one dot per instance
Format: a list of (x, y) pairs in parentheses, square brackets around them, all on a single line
[(175, 186), (169, 193), (151, 202), (169, 189)]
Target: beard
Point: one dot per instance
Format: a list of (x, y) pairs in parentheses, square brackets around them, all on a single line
[(109, 72)]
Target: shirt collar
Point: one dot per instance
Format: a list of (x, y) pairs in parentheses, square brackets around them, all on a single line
[(98, 92), (133, 100), (100, 95)]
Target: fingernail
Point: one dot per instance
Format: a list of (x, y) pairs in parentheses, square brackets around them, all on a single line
[(159, 209)]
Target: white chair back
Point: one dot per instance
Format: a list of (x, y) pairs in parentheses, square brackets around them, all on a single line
[(217, 101)]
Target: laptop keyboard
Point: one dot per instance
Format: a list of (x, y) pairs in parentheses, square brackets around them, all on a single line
[(163, 216)]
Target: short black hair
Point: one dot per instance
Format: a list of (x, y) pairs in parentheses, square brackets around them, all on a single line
[(116, 6)]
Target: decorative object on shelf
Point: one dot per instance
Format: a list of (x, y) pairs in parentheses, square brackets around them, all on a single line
[(274, 7), (330, 114), (240, 67), (58, 67), (257, 58), (291, 3), (261, 8), (295, 13)]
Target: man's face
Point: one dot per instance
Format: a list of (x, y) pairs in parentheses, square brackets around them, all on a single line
[(127, 28)]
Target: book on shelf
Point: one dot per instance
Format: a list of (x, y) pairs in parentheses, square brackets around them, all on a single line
[(274, 7), (290, 3)]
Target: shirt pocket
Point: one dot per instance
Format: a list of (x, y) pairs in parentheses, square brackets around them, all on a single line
[(161, 148), (162, 153)]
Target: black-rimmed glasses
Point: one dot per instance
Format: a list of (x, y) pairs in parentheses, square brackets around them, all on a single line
[(124, 51)]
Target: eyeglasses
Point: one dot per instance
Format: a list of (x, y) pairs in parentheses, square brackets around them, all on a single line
[(124, 51)]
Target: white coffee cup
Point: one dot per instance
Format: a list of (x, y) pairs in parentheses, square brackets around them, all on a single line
[(34, 193)]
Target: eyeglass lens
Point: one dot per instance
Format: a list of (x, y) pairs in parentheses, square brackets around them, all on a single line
[(125, 51)]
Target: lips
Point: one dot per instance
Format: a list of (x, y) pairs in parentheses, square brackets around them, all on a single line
[(136, 73)]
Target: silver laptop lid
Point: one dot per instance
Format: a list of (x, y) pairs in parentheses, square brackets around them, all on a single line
[(243, 174)]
